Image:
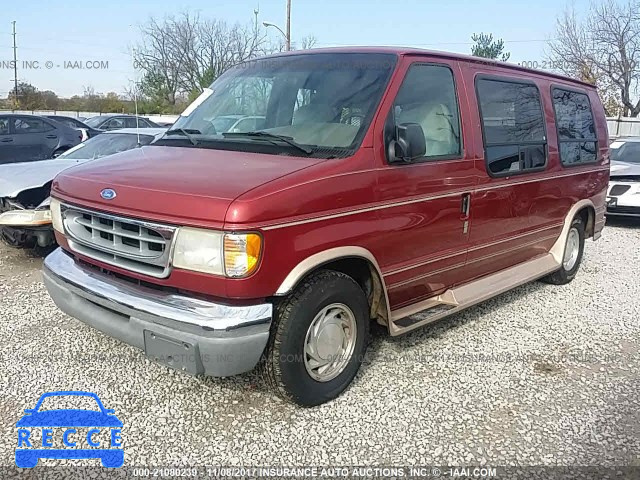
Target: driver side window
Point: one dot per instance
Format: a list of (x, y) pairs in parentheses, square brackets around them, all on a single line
[(427, 97)]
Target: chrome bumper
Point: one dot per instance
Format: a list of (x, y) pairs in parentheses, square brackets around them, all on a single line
[(182, 332)]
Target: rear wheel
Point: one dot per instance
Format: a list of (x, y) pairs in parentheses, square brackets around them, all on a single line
[(573, 250), (318, 339)]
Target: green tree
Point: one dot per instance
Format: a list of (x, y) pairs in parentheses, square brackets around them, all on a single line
[(29, 98), (486, 47)]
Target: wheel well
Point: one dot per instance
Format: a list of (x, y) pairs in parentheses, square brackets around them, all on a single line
[(366, 275), (588, 215)]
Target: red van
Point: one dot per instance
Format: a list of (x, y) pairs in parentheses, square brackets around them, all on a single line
[(374, 184)]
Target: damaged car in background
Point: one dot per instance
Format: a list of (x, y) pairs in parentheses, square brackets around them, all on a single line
[(25, 218), (623, 197)]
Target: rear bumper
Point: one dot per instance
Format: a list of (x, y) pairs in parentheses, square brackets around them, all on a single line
[(189, 334)]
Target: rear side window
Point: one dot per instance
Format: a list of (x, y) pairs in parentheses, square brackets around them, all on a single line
[(577, 139), (512, 125), (30, 125)]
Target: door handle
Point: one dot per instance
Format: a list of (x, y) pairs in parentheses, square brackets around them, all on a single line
[(464, 212), (7, 140), (465, 206), (52, 136)]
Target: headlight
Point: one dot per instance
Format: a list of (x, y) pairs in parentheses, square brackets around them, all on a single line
[(56, 215), (209, 251), (199, 250), (241, 253), (25, 218)]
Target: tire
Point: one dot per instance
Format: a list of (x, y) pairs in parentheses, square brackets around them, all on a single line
[(564, 275), (287, 365), (15, 238)]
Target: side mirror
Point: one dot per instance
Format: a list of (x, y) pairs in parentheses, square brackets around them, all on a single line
[(408, 145)]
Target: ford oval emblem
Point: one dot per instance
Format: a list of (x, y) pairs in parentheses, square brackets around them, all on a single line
[(108, 194)]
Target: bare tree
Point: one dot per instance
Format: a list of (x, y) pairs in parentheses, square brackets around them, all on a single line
[(180, 55), (308, 42), (603, 50)]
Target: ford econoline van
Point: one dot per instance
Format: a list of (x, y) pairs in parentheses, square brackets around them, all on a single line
[(395, 186)]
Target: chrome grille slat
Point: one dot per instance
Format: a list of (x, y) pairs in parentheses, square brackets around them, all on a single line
[(120, 232), (128, 243)]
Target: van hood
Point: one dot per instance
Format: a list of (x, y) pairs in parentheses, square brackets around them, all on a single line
[(179, 185)]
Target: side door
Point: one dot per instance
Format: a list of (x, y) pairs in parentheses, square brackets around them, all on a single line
[(7, 144), (513, 209), (34, 139), (424, 224)]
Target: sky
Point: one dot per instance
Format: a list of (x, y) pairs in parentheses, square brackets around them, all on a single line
[(56, 35)]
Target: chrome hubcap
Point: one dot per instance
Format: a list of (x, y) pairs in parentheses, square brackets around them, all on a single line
[(572, 249), (330, 342)]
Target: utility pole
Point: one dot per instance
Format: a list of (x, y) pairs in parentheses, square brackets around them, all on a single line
[(256, 12), (288, 35), (15, 64)]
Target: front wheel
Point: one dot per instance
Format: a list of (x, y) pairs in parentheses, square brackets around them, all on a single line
[(573, 250), (319, 337)]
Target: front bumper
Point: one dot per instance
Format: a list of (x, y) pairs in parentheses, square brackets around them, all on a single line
[(186, 333), (623, 198)]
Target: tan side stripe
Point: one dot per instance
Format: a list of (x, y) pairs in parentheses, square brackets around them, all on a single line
[(476, 260), (473, 249), (418, 200)]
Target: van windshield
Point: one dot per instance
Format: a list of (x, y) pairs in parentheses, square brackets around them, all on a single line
[(323, 102)]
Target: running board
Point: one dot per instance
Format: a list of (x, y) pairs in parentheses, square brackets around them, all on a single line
[(456, 299)]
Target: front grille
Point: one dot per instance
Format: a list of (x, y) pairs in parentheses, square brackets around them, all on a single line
[(127, 243), (619, 189)]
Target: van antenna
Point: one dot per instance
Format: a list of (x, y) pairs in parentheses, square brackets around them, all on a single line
[(135, 95)]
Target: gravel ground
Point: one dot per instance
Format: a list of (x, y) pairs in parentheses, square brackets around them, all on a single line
[(542, 375)]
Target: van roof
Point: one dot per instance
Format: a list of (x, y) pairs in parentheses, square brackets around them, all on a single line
[(403, 51)]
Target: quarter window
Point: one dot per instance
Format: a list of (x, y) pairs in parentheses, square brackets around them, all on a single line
[(428, 97), (577, 139), (513, 126)]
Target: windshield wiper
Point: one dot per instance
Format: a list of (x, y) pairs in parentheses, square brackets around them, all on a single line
[(270, 136), (185, 132)]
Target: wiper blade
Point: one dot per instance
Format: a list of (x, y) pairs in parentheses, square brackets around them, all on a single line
[(270, 136), (185, 132)]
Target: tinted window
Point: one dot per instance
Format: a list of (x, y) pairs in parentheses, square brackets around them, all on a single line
[(574, 121), (30, 125), (4, 125), (513, 126), (114, 123), (96, 121), (69, 122), (428, 97), (131, 122)]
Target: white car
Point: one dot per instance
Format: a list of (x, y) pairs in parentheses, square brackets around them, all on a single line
[(238, 123), (623, 197), (25, 218)]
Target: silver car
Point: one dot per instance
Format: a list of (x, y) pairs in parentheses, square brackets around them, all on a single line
[(623, 197)]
